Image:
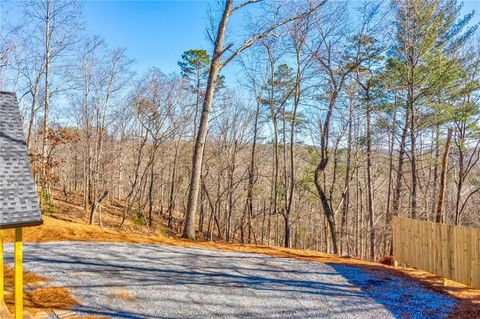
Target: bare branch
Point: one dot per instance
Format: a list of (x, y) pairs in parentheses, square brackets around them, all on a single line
[(265, 33), (241, 5)]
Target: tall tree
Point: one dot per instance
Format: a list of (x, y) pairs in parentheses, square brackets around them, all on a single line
[(220, 58), (54, 25), (194, 67), (429, 34), (336, 60)]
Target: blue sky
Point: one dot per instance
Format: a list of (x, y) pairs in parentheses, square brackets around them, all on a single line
[(155, 33)]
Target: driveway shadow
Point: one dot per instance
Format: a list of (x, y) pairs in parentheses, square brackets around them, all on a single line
[(405, 299), (175, 282)]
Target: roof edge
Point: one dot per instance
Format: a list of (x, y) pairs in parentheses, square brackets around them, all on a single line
[(22, 224), (8, 92)]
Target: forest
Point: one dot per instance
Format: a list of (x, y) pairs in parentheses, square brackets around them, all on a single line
[(342, 114)]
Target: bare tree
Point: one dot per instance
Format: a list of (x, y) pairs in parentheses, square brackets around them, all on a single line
[(53, 25), (220, 58)]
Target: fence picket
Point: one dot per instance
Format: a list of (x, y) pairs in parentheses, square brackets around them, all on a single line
[(449, 251)]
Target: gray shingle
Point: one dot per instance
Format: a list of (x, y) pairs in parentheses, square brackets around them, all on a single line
[(18, 197)]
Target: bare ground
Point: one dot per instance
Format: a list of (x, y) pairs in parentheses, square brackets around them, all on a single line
[(72, 227), (120, 280)]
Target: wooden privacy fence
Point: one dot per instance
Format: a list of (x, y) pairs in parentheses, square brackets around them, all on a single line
[(449, 251)]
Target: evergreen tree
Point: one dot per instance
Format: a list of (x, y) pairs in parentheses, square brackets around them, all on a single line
[(429, 34)]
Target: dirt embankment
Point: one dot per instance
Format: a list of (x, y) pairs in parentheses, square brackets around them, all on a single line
[(55, 229)]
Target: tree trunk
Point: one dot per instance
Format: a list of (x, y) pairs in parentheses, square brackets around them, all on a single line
[(150, 191), (288, 240), (197, 159), (388, 234), (443, 178), (326, 207), (95, 206), (251, 172), (46, 101), (320, 170), (399, 177), (369, 182), (171, 200), (413, 151), (346, 193), (231, 175), (435, 168)]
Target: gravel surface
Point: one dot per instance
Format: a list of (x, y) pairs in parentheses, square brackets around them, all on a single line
[(156, 281)]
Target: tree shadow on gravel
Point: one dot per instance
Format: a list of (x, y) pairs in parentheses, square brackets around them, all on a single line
[(172, 282), (405, 299)]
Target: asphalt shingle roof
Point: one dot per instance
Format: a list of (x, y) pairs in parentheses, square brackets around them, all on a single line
[(18, 197)]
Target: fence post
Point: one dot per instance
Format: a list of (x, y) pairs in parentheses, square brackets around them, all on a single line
[(2, 269), (18, 274)]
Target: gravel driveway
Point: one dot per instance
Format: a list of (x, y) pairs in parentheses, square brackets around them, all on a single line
[(156, 281)]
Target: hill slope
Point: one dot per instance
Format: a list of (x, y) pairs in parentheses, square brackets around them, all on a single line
[(57, 230)]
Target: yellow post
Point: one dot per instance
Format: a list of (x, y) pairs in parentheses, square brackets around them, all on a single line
[(18, 274), (2, 285)]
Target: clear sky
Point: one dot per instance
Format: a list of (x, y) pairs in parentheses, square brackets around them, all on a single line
[(156, 32)]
